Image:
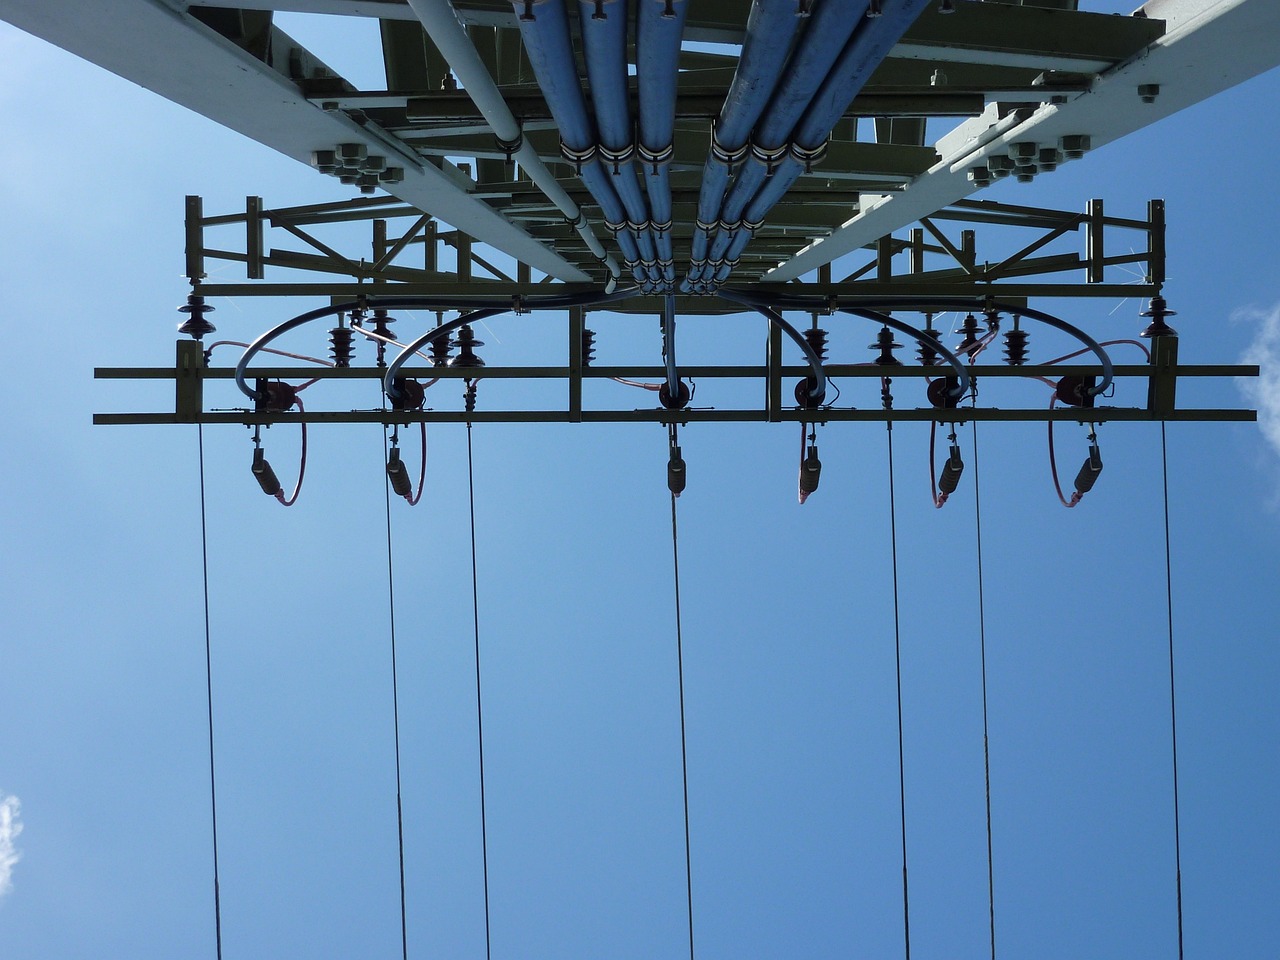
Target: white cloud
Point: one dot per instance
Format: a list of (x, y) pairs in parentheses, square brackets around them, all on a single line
[(10, 828), (1264, 392)]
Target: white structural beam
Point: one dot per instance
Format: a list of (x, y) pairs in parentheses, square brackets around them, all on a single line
[(162, 48), (1209, 46)]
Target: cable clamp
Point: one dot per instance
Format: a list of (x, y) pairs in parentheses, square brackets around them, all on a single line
[(654, 159), (615, 228), (723, 154), (511, 147), (706, 226), (769, 157), (637, 226), (577, 222), (616, 157), (577, 157), (809, 156), (729, 225), (660, 228), (751, 226), (697, 264)]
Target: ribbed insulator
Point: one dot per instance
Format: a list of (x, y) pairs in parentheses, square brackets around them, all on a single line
[(469, 396), (466, 343), (817, 338), (928, 356), (588, 347), (886, 345), (439, 351), (382, 322), (341, 347), (972, 334), (1015, 347)]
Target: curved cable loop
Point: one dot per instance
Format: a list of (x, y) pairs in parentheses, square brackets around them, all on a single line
[(962, 372), (498, 305), (413, 498), (819, 388), (443, 330), (669, 344), (962, 303), (290, 500)]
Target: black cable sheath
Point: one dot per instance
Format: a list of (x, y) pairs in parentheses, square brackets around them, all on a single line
[(982, 646), (1173, 700), (897, 649), (208, 685), (475, 614), (395, 706), (684, 753)]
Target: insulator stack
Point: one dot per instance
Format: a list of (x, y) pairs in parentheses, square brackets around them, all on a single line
[(341, 346), (886, 345), (469, 396), (398, 474), (972, 334), (951, 472), (1015, 347), (466, 343), (196, 325), (440, 351), (928, 356), (588, 347), (817, 338), (382, 323)]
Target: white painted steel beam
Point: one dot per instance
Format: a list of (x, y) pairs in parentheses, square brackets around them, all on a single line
[(1209, 46), (162, 48)]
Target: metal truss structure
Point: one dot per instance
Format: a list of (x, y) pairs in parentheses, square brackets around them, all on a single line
[(684, 157)]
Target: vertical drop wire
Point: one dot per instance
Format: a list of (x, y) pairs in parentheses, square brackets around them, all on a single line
[(395, 705), (982, 646), (897, 649), (475, 616), (208, 686), (1173, 700), (684, 753)]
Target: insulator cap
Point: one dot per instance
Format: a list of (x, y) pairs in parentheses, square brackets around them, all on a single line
[(398, 474), (951, 472), (265, 476), (676, 472), (1089, 471), (810, 471)]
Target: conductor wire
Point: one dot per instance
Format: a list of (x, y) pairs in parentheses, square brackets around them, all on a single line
[(982, 646), (395, 708), (1173, 701), (897, 650), (684, 753), (475, 614), (208, 682)]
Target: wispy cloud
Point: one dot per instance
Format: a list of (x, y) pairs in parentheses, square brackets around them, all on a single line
[(10, 828), (1264, 350)]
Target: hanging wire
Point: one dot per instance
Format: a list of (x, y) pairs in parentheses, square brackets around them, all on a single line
[(982, 647), (395, 707), (475, 614), (1173, 704), (208, 684), (684, 754), (897, 650)]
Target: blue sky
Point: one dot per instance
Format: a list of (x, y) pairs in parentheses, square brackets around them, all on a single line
[(788, 629)]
